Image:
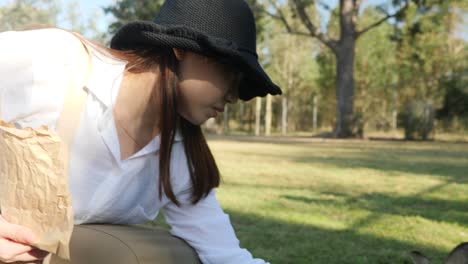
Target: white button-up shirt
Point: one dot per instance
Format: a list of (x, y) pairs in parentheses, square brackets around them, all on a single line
[(105, 189)]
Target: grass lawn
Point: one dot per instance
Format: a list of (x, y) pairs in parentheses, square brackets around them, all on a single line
[(301, 200)]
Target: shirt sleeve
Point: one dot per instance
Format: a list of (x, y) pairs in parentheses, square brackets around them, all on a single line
[(34, 73), (207, 229)]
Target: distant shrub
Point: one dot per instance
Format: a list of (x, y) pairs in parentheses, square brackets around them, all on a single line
[(418, 120), (452, 124)]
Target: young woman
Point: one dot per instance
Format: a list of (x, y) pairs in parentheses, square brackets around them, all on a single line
[(139, 147)]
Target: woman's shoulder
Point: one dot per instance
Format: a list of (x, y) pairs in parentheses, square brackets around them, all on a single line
[(38, 64), (55, 37), (42, 45)]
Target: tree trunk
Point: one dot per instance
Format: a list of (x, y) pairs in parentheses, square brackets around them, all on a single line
[(395, 109), (345, 71), (284, 119), (258, 112), (344, 90), (251, 118), (226, 120), (241, 115), (314, 120), (268, 115)]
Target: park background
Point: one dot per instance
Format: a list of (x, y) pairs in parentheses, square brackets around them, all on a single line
[(365, 155)]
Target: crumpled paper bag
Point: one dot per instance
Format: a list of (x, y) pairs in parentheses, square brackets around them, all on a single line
[(34, 185)]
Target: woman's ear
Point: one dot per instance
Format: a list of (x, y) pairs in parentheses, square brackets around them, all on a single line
[(180, 54)]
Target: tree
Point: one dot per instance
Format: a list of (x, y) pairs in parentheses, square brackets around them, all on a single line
[(343, 46), (294, 70), (131, 10), (31, 14), (326, 83), (376, 75), (432, 62), (24, 14), (75, 22)]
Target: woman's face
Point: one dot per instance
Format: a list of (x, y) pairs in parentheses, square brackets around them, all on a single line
[(205, 86)]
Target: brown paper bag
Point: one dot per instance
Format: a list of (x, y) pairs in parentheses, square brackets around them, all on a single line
[(34, 185)]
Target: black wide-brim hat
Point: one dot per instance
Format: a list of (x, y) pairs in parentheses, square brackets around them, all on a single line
[(223, 29)]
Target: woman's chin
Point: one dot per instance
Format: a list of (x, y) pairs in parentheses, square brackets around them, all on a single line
[(195, 121), (198, 122)]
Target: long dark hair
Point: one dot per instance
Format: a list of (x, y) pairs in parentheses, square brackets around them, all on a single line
[(204, 172)]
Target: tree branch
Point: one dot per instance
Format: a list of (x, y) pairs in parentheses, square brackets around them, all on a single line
[(281, 17), (313, 30), (324, 5), (388, 16)]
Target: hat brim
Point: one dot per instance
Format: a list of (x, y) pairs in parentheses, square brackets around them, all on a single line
[(139, 34)]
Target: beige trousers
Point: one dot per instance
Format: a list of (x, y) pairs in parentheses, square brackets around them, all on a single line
[(119, 244)]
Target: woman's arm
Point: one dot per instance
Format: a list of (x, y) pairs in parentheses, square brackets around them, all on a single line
[(35, 67), (208, 230), (27, 98)]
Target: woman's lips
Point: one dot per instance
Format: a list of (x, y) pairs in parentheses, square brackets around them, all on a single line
[(219, 109), (216, 111)]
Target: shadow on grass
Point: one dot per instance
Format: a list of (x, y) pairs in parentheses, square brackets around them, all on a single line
[(454, 171), (400, 148), (424, 158), (433, 209), (457, 141), (439, 210), (283, 242), (414, 162)]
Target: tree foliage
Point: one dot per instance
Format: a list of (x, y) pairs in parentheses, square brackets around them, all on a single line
[(294, 70), (348, 23), (376, 74), (24, 14), (32, 14), (126, 11)]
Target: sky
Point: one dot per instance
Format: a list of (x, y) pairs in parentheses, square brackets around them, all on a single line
[(89, 8)]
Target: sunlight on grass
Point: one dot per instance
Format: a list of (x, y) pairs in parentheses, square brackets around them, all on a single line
[(304, 200)]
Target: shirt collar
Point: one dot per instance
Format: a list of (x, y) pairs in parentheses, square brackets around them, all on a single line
[(104, 83)]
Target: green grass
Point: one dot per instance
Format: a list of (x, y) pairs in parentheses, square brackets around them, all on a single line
[(302, 200)]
